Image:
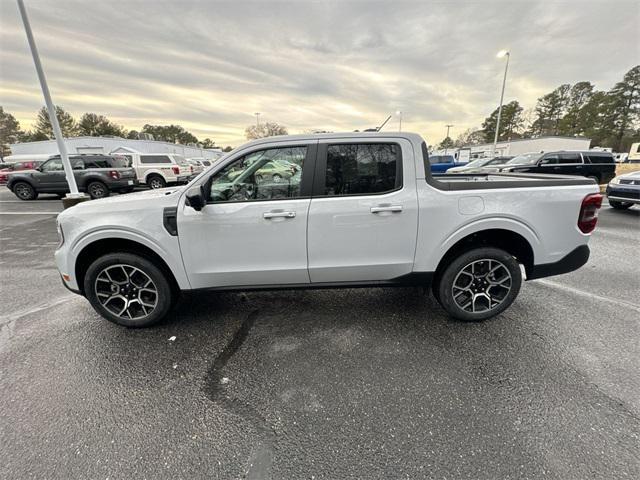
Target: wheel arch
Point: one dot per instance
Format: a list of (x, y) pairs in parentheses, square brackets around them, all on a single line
[(12, 181), (508, 240), (103, 246)]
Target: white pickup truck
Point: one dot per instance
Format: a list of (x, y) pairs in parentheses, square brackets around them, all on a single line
[(355, 210), (157, 170)]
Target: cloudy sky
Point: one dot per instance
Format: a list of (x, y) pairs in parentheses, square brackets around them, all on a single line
[(308, 65)]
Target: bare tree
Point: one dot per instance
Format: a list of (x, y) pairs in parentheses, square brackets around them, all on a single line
[(268, 129)]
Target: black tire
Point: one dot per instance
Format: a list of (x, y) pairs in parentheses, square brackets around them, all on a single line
[(97, 189), (24, 191), (482, 259), (156, 181), (620, 205), (130, 287)]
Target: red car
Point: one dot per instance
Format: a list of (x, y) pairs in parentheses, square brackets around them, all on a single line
[(5, 170)]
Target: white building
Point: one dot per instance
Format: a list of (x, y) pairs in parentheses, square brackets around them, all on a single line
[(107, 145), (527, 145)]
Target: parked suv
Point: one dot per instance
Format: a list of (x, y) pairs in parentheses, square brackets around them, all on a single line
[(157, 170), (598, 166), (98, 175)]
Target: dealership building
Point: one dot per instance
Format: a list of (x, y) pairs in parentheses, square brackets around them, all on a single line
[(107, 145)]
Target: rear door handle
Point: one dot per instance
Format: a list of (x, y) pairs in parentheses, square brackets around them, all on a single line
[(270, 215), (386, 208)]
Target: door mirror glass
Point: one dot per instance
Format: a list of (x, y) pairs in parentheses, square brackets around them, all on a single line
[(195, 198)]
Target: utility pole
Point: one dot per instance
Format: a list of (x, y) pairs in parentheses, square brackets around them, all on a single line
[(399, 113), (448, 127), (257, 114), (502, 53), (75, 196)]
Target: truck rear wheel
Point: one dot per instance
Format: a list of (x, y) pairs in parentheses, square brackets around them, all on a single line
[(128, 289), (479, 284), (156, 181)]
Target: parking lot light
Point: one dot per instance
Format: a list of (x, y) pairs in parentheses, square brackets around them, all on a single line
[(501, 54)]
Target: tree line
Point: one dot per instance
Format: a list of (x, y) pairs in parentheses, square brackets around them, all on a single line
[(89, 124), (609, 118)]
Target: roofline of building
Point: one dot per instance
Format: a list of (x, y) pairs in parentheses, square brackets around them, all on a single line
[(504, 142), (114, 138)]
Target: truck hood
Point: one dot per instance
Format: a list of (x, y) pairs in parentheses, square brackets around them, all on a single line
[(130, 200)]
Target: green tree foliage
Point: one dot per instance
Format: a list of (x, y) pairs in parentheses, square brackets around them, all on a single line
[(170, 133), (511, 122), (227, 148), (549, 111), (133, 135), (447, 142), (9, 132), (268, 129), (43, 129), (574, 121), (622, 109), (208, 143), (94, 125)]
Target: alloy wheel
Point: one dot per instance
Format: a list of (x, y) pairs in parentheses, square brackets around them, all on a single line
[(126, 291), (481, 285), (23, 191)]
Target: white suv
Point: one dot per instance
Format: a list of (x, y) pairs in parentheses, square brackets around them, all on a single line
[(157, 170)]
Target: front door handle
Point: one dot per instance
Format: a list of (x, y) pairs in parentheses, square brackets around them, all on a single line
[(270, 215), (386, 208)]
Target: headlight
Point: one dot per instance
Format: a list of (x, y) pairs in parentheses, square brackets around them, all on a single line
[(60, 234), (615, 181)]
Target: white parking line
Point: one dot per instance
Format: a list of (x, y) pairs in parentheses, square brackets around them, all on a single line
[(29, 213), (577, 291), (7, 319)]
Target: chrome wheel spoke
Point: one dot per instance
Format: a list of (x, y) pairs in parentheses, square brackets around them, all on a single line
[(476, 289), (126, 291)]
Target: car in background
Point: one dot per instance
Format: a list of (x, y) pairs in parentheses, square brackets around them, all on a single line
[(196, 167), (476, 166), (97, 175), (442, 163), (202, 161), (624, 190), (596, 165), (157, 170), (8, 168)]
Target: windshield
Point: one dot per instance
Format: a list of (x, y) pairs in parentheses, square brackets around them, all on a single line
[(180, 159), (525, 159), (476, 163)]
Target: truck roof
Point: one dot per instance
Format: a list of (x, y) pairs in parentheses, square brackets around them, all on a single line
[(412, 137)]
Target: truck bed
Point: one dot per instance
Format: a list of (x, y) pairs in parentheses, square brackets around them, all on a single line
[(485, 181)]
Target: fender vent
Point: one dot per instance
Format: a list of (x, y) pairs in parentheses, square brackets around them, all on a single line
[(170, 220)]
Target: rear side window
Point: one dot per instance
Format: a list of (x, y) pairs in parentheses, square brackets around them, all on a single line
[(598, 158), (361, 169), (154, 159)]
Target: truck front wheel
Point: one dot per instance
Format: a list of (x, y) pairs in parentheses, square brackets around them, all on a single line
[(479, 284), (128, 289)]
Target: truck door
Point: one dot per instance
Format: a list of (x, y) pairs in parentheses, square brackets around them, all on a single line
[(253, 229), (50, 177), (363, 218)]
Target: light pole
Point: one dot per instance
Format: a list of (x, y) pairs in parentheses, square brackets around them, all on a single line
[(399, 113), (257, 114), (501, 54), (75, 196), (448, 127)]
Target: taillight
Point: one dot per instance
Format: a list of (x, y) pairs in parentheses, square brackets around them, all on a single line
[(114, 174), (176, 170), (589, 212)]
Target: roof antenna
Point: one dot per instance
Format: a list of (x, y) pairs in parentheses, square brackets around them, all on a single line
[(383, 123)]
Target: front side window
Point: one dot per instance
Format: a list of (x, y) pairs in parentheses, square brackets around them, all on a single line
[(363, 169), (551, 159), (52, 166), (154, 159), (270, 174)]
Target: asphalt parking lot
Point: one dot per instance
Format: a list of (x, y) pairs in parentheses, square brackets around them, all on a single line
[(362, 383)]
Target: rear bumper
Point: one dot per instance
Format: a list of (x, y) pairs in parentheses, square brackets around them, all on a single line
[(569, 263), (122, 183)]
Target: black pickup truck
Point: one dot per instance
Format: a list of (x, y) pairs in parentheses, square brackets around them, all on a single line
[(596, 165), (98, 175)]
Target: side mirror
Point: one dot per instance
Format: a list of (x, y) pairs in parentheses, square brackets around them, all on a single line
[(196, 199)]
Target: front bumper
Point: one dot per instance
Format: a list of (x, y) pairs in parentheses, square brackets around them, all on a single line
[(624, 193)]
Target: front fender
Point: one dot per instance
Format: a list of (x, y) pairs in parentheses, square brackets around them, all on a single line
[(170, 252)]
